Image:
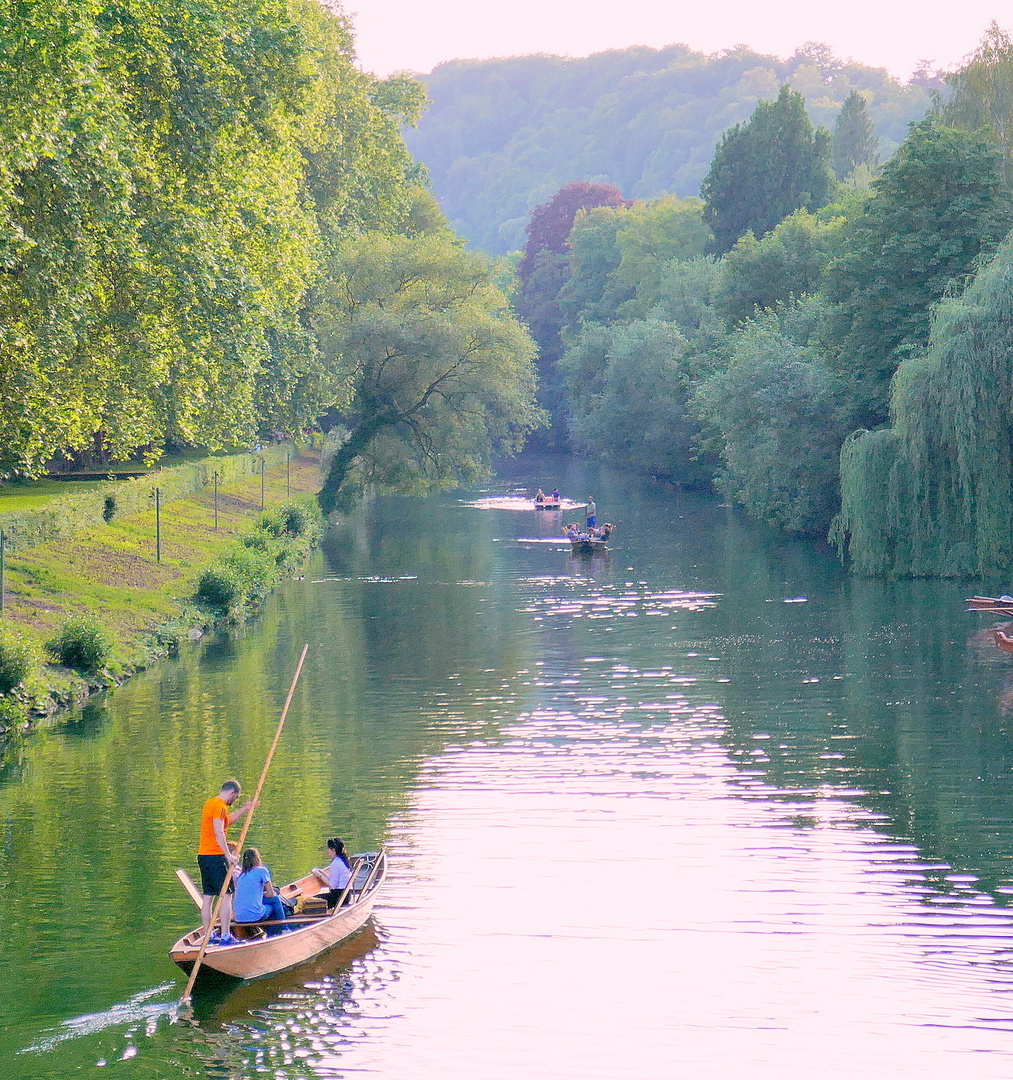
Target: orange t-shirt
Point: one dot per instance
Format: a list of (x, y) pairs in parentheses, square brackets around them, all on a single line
[(213, 810)]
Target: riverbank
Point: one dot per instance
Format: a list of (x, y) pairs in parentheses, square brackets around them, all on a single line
[(136, 578)]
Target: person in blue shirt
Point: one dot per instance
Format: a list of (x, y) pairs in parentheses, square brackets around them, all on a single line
[(256, 897)]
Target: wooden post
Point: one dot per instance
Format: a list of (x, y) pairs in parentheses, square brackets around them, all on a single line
[(216, 499), (261, 483), (3, 571), (158, 525), (288, 473)]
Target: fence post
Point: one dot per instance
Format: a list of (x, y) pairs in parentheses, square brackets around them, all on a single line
[(157, 496), (216, 500), (3, 571), (261, 483), (288, 474)]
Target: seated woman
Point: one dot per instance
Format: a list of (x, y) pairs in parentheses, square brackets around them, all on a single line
[(256, 897), (539, 496), (339, 872)]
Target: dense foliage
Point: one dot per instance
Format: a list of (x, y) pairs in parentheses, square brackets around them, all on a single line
[(751, 371), (436, 369), (765, 170), (175, 180), (502, 135)]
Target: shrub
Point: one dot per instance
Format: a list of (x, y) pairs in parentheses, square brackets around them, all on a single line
[(272, 522), (241, 576), (18, 656), (83, 644), (297, 519)]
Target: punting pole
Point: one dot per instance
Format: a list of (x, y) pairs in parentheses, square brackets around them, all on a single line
[(188, 992)]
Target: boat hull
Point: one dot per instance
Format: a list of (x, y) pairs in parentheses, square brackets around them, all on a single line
[(588, 547), (1003, 639), (269, 955)]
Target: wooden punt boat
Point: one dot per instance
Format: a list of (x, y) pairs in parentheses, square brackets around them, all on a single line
[(1003, 638), (547, 505), (587, 545), (1000, 604), (311, 932)]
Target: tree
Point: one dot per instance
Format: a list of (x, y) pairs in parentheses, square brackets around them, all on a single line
[(766, 169), (855, 142), (776, 414), (982, 93), (433, 374), (933, 495), (639, 418), (939, 204), (788, 263), (551, 223)]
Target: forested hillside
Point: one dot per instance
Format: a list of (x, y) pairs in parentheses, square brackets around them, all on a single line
[(500, 136), (185, 197)]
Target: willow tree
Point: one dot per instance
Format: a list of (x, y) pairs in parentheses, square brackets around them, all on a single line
[(934, 495), (433, 372)]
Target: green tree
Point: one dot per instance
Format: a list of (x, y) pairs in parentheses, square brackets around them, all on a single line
[(776, 415), (639, 417), (757, 275), (939, 204), (436, 374), (933, 495), (766, 169), (981, 94), (855, 143)]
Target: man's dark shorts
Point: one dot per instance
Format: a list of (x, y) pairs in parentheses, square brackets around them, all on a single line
[(213, 869)]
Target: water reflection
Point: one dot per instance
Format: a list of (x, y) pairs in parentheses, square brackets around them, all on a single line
[(705, 807)]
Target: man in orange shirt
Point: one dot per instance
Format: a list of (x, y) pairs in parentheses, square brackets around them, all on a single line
[(215, 858)]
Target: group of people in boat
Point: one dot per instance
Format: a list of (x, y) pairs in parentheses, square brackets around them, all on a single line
[(251, 896), (552, 497), (592, 530)]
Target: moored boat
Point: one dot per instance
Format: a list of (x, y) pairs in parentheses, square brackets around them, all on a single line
[(547, 505), (311, 932), (1003, 638), (1001, 604)]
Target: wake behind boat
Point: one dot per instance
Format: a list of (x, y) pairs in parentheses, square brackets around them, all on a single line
[(312, 931)]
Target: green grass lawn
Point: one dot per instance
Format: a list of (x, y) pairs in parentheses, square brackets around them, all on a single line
[(36, 493)]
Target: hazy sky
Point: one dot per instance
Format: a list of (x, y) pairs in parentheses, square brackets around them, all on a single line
[(895, 34)]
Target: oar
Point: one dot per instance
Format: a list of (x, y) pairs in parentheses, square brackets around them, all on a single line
[(246, 827)]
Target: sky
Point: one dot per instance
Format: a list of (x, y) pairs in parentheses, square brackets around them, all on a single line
[(410, 35)]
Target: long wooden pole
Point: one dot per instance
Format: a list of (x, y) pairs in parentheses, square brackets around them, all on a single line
[(187, 993)]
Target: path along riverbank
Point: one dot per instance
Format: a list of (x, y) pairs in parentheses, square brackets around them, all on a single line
[(140, 588)]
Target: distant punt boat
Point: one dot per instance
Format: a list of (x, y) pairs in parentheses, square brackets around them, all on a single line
[(1003, 639), (547, 505), (586, 545), (311, 933), (1001, 604)]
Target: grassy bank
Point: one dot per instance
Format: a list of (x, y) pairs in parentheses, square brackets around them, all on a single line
[(108, 576)]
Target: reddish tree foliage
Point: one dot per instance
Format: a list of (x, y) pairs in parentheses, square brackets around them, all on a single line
[(551, 222)]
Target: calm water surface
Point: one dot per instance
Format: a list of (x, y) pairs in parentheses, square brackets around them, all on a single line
[(706, 808)]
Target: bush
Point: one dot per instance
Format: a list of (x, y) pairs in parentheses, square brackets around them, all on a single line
[(18, 656), (273, 523), (298, 519), (241, 577), (83, 644)]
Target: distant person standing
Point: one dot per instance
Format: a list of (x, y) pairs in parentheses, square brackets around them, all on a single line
[(591, 514), (215, 858)]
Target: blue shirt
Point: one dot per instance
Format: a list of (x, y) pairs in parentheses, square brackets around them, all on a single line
[(248, 905)]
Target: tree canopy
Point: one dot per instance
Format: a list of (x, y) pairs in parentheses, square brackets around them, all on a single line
[(501, 135), (436, 371), (765, 170)]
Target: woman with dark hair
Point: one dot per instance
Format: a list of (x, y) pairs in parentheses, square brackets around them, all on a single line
[(339, 873), (256, 897)]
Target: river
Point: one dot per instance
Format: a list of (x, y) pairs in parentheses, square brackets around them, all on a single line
[(707, 808)]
